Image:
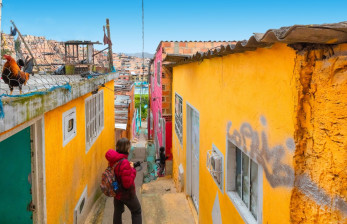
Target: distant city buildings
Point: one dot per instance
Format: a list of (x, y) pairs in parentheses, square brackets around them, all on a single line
[(130, 67), (50, 54)]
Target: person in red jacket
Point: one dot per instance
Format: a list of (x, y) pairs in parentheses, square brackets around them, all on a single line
[(125, 175)]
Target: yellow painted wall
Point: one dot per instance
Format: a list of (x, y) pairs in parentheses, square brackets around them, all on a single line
[(239, 88), (69, 169), (294, 99)]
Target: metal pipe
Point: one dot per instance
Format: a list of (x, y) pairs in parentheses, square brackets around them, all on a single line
[(100, 51), (25, 44)]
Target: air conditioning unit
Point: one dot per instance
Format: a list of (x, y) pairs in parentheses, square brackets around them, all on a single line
[(214, 165)]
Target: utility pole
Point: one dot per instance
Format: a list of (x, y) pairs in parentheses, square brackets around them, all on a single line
[(25, 44), (110, 56), (143, 56)]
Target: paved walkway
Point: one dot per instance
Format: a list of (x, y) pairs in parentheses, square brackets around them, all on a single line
[(159, 200), (139, 154), (161, 203)]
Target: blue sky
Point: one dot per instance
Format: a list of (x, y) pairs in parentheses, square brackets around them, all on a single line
[(164, 19)]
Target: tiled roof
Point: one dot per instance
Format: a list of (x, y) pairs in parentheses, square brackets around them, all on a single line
[(334, 33)]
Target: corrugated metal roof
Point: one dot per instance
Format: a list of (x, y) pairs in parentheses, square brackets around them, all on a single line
[(120, 126), (123, 86), (122, 100), (334, 33)]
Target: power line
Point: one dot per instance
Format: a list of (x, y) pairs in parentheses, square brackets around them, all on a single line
[(143, 56)]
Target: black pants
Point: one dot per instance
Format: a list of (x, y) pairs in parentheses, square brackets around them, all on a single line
[(134, 206)]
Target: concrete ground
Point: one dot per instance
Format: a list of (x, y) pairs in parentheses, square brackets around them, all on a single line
[(159, 199), (161, 203)]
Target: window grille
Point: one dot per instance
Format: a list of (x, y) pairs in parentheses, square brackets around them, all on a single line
[(94, 106), (178, 117)]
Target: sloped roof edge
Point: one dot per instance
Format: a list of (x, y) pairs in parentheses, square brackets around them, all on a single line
[(333, 33)]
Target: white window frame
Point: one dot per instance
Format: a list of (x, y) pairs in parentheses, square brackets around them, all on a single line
[(230, 188), (95, 124), (69, 135), (78, 212), (179, 116)]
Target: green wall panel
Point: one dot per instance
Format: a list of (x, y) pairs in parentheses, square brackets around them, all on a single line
[(15, 169)]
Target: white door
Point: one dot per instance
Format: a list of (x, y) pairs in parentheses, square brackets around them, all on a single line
[(194, 150)]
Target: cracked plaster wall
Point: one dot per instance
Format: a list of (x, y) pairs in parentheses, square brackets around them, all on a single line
[(321, 135)]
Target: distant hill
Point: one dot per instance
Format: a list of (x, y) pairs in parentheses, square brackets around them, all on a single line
[(139, 55)]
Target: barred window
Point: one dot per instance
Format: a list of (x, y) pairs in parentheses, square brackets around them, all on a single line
[(94, 106), (178, 117)]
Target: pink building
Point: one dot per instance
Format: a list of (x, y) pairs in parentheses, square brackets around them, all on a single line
[(160, 94)]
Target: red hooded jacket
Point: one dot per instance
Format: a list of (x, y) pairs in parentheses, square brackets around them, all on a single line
[(124, 174)]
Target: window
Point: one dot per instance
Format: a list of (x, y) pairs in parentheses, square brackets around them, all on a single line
[(163, 75), (78, 211), (244, 183), (94, 106), (158, 72), (69, 125), (163, 87), (178, 117), (163, 99)]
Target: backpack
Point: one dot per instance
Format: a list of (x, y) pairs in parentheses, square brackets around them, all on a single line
[(108, 180)]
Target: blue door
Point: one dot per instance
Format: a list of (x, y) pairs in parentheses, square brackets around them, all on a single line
[(15, 178)]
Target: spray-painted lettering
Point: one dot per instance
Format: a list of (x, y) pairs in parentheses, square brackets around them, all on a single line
[(270, 158), (278, 173)]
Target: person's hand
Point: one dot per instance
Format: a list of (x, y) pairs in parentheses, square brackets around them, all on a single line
[(131, 164)]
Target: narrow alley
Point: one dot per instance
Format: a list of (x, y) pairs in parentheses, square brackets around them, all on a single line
[(225, 119), (160, 200)]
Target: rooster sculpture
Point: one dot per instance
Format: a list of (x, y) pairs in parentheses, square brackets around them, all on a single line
[(12, 75)]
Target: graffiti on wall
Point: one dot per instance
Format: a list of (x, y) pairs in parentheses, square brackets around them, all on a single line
[(256, 145), (277, 172)]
